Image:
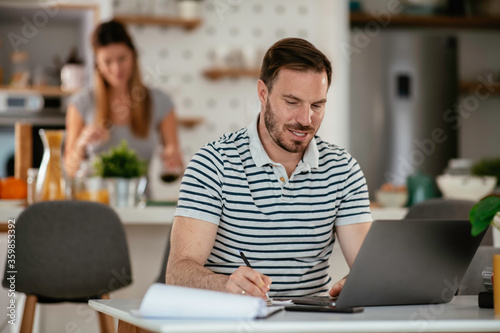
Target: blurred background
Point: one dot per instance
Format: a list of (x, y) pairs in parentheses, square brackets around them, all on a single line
[(403, 69), (415, 96)]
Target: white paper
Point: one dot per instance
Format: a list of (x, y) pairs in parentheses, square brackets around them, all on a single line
[(166, 301)]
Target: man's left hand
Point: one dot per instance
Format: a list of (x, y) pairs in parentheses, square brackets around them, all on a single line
[(337, 288)]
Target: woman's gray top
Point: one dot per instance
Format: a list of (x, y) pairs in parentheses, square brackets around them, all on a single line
[(161, 104)]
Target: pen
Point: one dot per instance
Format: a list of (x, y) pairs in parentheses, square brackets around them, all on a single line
[(242, 255)]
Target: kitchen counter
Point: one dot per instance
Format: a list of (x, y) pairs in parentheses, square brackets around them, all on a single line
[(388, 213), (129, 216), (165, 215)]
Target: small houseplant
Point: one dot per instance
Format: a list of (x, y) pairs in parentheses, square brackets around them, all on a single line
[(120, 162), (121, 168)]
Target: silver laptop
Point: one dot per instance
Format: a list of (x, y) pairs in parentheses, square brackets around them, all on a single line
[(410, 262), (406, 262)]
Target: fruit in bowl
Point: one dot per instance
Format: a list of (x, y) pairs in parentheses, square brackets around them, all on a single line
[(466, 187), (391, 195)]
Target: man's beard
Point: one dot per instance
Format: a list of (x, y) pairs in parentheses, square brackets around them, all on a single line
[(295, 146)]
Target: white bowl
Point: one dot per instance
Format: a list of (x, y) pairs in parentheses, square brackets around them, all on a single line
[(391, 199), (466, 187)]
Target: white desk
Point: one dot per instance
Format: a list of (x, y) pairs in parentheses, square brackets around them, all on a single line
[(461, 315)]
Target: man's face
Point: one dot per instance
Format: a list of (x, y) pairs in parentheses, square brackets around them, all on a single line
[(295, 108)]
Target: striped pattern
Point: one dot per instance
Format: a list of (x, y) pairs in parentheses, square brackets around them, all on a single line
[(285, 229)]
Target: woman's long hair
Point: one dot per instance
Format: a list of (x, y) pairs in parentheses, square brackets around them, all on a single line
[(140, 108)]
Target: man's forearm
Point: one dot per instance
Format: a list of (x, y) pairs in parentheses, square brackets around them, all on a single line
[(188, 273)]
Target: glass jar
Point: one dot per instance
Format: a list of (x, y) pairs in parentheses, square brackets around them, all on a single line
[(20, 70)]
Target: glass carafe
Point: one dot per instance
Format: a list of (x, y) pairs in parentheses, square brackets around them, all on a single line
[(50, 184)]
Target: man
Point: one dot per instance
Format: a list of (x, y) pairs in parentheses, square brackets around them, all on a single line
[(274, 190)]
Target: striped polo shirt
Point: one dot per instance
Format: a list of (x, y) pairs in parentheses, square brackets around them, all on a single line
[(284, 225)]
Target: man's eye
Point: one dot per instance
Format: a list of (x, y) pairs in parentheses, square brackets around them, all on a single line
[(291, 103)]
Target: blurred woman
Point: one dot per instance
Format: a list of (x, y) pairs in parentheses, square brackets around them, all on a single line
[(119, 107)]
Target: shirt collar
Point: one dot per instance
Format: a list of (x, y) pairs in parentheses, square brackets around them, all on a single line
[(259, 154)]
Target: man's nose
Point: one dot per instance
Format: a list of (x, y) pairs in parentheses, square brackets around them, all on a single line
[(304, 115)]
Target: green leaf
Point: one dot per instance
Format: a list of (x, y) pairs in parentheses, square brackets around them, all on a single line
[(482, 214)]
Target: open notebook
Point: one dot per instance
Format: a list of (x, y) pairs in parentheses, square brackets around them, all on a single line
[(172, 302)]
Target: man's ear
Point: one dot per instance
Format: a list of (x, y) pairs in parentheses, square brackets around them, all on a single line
[(262, 92)]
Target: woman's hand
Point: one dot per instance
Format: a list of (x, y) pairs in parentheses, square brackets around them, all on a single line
[(172, 158), (91, 135)]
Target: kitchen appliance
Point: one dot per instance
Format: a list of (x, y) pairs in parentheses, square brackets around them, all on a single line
[(31, 106), (20, 101), (404, 121), (38, 110)]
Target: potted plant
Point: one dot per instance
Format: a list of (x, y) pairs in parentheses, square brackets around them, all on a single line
[(487, 167), (121, 168)]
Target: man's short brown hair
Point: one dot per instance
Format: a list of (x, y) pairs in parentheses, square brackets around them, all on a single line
[(295, 54)]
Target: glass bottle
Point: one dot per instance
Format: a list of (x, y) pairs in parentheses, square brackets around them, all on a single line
[(31, 180), (50, 184)]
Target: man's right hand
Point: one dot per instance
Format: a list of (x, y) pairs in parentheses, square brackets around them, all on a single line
[(247, 281)]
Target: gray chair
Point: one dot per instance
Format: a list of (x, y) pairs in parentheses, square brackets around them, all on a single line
[(163, 269), (68, 251), (446, 209), (440, 208)]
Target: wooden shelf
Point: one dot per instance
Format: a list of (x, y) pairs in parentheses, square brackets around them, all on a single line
[(190, 122), (470, 88), (219, 73), (188, 24), (437, 21), (43, 90)]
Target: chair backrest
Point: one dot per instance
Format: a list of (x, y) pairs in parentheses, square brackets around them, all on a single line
[(163, 269), (441, 209), (446, 209), (68, 250)]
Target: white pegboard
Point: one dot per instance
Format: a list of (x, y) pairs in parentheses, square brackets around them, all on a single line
[(174, 60)]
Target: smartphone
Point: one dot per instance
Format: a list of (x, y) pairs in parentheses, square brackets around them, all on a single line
[(322, 308), (311, 300)]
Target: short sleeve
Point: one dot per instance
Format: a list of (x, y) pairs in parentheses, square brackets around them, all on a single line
[(84, 102), (355, 202), (162, 105), (200, 195)]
